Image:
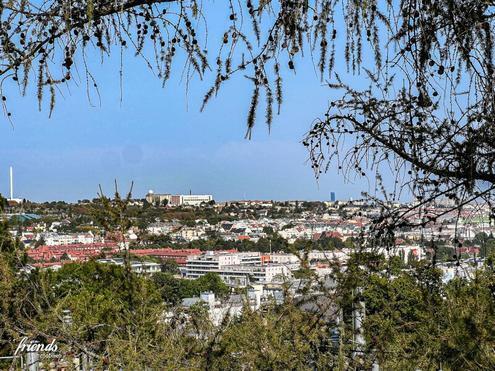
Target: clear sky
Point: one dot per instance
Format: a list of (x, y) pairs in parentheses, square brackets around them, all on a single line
[(158, 138)]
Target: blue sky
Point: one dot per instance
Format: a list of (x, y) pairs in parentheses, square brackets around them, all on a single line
[(158, 139)]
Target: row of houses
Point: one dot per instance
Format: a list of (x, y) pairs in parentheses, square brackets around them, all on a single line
[(83, 252), (76, 252), (254, 229)]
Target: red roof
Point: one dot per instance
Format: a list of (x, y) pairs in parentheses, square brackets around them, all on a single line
[(469, 250), (180, 255), (231, 251), (74, 251), (332, 234)]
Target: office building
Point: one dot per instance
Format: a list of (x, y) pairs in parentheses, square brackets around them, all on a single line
[(177, 200)]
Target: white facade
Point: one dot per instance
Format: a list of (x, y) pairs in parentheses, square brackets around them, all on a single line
[(289, 260), (329, 256), (136, 266), (195, 200), (191, 234), (178, 200), (282, 258), (242, 275), (210, 262), (153, 198), (55, 239), (233, 306), (162, 228), (237, 269)]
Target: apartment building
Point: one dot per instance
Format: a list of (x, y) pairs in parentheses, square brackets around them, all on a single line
[(55, 239), (236, 269)]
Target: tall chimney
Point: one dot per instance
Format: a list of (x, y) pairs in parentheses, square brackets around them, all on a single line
[(11, 183)]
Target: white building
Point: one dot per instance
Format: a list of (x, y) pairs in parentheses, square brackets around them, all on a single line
[(190, 233), (195, 200), (55, 239), (157, 198), (283, 258), (177, 200), (215, 261), (231, 307), (160, 228), (236, 269), (136, 266), (329, 256), (289, 260), (242, 275)]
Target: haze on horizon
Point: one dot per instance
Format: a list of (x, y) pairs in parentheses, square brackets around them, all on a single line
[(157, 138)]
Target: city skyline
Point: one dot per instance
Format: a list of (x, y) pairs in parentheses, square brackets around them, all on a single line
[(13, 195), (186, 139), (163, 141), (67, 156)]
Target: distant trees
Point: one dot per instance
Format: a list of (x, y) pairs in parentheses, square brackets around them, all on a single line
[(40, 242), (173, 290), (423, 118), (65, 256), (419, 60), (158, 240), (273, 242), (170, 266), (486, 244), (189, 223), (268, 230), (3, 203), (414, 321)]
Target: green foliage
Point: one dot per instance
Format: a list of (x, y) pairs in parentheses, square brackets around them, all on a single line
[(170, 266), (3, 203), (416, 322), (274, 243), (412, 321), (268, 230), (173, 290), (119, 319), (277, 339), (212, 282)]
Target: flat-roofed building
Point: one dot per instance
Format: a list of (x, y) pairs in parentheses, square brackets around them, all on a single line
[(177, 200), (158, 198), (136, 266), (236, 269), (195, 200)]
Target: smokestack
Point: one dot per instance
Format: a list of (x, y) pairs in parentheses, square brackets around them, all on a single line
[(11, 183)]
